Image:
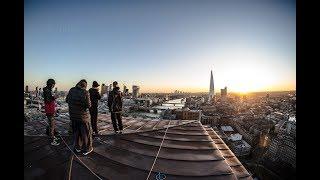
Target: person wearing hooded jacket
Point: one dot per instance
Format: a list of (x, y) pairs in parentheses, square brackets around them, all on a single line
[(94, 98), (115, 107), (79, 103)]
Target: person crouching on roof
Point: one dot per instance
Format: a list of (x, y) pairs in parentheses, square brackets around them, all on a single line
[(79, 103), (49, 106), (115, 107)]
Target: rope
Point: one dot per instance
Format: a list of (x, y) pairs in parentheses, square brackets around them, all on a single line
[(155, 159), (76, 155), (70, 167)]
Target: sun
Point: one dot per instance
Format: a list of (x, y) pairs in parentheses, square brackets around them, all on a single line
[(248, 72)]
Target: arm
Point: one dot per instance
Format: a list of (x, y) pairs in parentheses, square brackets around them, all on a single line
[(110, 99), (98, 95), (68, 98), (121, 99), (87, 100)]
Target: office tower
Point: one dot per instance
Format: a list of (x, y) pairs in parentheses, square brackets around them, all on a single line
[(135, 91), (124, 88), (224, 92), (211, 88), (103, 89), (37, 92)]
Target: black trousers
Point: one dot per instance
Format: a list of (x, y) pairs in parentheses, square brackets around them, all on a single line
[(116, 117), (82, 135), (94, 116)]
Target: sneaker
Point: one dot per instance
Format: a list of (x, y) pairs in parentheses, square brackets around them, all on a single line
[(86, 153), (55, 138), (77, 150), (120, 132), (55, 143)]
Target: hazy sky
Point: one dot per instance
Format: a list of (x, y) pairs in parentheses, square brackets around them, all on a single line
[(162, 45)]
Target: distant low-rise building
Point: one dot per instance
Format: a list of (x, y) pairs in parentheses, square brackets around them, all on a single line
[(240, 148), (210, 120), (227, 128), (235, 137), (283, 146), (187, 114)]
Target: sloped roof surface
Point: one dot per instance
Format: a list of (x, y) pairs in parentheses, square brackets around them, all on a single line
[(189, 151)]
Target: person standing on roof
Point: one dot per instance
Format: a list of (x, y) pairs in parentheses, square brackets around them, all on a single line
[(79, 103), (94, 98), (49, 106), (115, 107)]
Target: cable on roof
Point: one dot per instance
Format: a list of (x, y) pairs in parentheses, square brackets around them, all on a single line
[(155, 159), (76, 155)]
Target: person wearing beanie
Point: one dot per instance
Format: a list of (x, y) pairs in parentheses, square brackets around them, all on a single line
[(115, 107), (94, 98)]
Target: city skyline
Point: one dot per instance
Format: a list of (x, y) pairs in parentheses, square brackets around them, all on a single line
[(162, 46)]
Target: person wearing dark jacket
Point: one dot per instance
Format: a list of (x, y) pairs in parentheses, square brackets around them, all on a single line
[(79, 103), (94, 97), (49, 106), (115, 107)]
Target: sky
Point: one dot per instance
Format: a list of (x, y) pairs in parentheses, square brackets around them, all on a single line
[(162, 46)]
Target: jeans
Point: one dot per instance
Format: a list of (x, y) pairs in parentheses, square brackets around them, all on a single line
[(51, 123)]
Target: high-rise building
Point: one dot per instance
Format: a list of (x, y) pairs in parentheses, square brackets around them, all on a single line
[(103, 89), (126, 92), (135, 91), (224, 92), (27, 89), (211, 89), (124, 88), (37, 92)]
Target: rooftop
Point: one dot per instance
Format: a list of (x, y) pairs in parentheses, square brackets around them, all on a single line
[(226, 128), (189, 151)]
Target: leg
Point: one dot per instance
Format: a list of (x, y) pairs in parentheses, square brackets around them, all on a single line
[(94, 117), (114, 122), (91, 116), (51, 126), (77, 135), (86, 135), (119, 118), (71, 127)]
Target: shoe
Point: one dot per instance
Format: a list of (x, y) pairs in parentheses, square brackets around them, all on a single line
[(77, 150), (55, 138), (55, 143), (120, 132), (86, 153)]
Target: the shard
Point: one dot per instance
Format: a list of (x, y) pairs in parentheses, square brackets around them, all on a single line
[(211, 88)]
